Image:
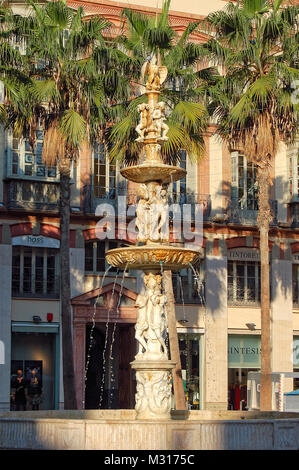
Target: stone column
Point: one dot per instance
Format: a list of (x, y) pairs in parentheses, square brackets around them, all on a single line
[(5, 325), (282, 314), (216, 364)]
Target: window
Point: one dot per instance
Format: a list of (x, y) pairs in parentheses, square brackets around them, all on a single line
[(104, 181), (293, 172), (95, 260), (189, 288), (35, 271), (296, 284), (243, 183), (25, 163), (243, 282)]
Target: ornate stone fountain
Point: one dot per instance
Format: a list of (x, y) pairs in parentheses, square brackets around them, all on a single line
[(153, 252)]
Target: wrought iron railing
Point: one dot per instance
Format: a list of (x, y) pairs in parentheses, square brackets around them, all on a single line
[(238, 214), (92, 198), (34, 195)]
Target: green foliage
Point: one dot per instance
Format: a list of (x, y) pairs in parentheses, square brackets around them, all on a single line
[(256, 43), (68, 77)]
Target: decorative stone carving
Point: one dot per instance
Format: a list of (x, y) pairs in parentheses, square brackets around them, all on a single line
[(149, 257), (143, 125), (152, 213), (143, 214), (153, 397), (151, 323), (158, 121), (156, 74)]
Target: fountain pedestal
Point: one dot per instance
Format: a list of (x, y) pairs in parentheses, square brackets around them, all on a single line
[(153, 397)]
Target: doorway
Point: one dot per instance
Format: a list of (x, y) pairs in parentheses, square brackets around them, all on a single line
[(110, 382), (36, 351)]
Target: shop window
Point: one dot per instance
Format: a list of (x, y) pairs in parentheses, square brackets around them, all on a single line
[(243, 183), (190, 357), (95, 261), (296, 284), (35, 272), (27, 163), (243, 282)]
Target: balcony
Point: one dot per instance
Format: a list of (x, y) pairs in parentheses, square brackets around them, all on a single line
[(235, 214), (33, 195)]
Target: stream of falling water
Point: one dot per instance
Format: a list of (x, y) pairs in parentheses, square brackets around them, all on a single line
[(91, 333), (183, 300), (111, 358), (165, 336), (111, 306)]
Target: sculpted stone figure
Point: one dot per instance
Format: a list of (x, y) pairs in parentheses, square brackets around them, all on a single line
[(143, 214), (158, 121), (141, 325), (159, 214), (143, 125), (151, 323), (156, 74)]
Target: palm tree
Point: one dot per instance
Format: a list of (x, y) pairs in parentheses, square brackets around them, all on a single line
[(256, 43), (184, 94), (65, 84)]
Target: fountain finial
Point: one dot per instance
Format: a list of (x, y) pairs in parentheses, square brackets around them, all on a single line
[(156, 74)]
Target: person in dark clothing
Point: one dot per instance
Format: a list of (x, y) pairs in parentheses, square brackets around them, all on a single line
[(34, 391), (19, 396)]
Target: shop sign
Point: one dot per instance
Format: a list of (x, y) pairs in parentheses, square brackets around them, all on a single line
[(244, 351), (296, 352), (38, 241), (296, 258), (243, 254)]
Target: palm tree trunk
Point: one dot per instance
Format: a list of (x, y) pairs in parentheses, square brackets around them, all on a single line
[(178, 387), (70, 402), (264, 218)]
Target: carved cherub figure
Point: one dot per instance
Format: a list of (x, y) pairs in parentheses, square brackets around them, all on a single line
[(143, 214), (158, 121), (143, 108)]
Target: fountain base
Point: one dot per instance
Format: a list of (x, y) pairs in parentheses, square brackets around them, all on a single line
[(153, 397), (119, 430)]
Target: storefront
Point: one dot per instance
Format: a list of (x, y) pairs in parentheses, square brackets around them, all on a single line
[(244, 355), (190, 345), (36, 348)]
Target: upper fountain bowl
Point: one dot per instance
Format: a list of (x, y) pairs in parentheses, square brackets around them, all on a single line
[(153, 171), (150, 257)]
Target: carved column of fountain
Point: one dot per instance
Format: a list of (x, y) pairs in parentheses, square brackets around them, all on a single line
[(153, 369)]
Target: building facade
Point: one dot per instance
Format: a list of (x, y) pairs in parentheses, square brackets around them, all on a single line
[(217, 304)]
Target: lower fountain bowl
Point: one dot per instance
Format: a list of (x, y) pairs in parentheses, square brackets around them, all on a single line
[(148, 258)]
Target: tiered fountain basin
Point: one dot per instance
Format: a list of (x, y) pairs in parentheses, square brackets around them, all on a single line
[(153, 171), (150, 257)]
